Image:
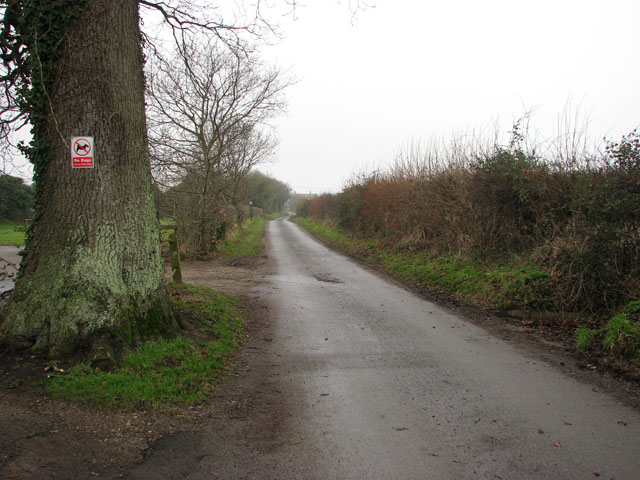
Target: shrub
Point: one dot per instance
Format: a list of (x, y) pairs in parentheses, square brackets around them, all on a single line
[(584, 337), (505, 191), (577, 221), (622, 336)]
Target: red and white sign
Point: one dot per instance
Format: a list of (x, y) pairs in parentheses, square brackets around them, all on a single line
[(82, 152)]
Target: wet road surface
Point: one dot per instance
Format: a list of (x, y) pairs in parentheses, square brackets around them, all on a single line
[(360, 379)]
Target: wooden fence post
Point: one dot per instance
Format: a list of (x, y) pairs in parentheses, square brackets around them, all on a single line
[(174, 252)]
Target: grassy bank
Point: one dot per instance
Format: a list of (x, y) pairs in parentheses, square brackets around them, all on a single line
[(163, 372), (502, 287), (247, 240)]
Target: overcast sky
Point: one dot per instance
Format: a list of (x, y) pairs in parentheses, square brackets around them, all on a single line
[(410, 69)]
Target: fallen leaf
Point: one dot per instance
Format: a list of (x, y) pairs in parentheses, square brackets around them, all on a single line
[(596, 473), (557, 444), (400, 429)]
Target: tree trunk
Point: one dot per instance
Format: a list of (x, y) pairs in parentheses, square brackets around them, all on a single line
[(92, 273)]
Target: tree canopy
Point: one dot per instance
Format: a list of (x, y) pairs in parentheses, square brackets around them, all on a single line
[(16, 199)]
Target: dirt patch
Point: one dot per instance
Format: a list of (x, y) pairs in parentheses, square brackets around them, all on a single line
[(234, 277), (46, 438)]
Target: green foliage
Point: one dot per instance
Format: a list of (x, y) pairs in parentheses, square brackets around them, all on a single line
[(504, 190), (350, 207), (16, 199), (526, 287), (266, 192), (606, 219), (505, 287), (218, 313), (622, 335), (158, 373), (626, 153), (622, 332), (633, 308), (163, 372), (584, 338)]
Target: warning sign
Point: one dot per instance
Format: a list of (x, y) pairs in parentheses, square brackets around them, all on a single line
[(82, 152)]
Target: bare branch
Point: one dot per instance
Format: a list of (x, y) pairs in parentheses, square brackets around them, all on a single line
[(208, 105)]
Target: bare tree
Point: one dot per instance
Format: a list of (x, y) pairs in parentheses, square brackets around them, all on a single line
[(208, 106)]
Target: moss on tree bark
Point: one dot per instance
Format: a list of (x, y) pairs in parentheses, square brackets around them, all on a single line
[(92, 268)]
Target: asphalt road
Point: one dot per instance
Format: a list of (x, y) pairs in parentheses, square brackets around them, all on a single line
[(396, 387), (355, 378)]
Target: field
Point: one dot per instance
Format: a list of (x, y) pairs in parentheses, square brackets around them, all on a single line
[(11, 234)]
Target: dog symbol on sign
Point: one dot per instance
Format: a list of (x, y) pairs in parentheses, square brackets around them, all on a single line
[(82, 147)]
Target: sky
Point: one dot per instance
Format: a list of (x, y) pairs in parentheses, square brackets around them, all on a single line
[(406, 71), (409, 70)]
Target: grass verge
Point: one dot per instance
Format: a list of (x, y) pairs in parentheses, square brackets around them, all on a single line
[(246, 241), (11, 234), (502, 287), (163, 372)]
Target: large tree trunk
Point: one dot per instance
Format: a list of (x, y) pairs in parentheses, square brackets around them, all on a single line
[(93, 270)]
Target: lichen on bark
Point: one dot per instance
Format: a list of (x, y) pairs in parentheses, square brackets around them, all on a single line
[(92, 266)]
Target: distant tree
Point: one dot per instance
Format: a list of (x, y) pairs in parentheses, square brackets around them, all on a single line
[(266, 192), (16, 199)]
